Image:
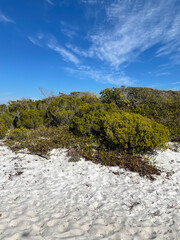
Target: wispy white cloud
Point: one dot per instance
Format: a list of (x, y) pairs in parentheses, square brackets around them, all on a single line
[(34, 40), (67, 56), (5, 19), (50, 2), (171, 40), (69, 32), (116, 78), (46, 40), (128, 28), (163, 70), (162, 74), (79, 51), (90, 1), (132, 28)]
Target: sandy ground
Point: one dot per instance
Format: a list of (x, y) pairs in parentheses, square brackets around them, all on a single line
[(54, 199)]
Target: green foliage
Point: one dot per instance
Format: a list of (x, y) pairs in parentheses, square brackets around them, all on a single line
[(162, 106), (89, 99), (3, 108), (127, 132), (61, 110), (3, 130), (83, 94), (110, 130), (6, 119), (40, 141), (75, 159), (132, 133), (14, 106), (64, 117), (30, 119), (64, 102), (21, 105), (87, 120), (18, 134), (114, 95)]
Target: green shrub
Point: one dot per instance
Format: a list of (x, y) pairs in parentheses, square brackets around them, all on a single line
[(89, 99), (162, 106), (87, 120), (133, 133), (3, 108), (30, 119), (18, 134), (84, 94), (127, 132), (75, 159), (64, 117), (6, 120), (114, 95), (3, 130)]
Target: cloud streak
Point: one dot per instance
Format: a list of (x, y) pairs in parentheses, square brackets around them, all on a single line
[(69, 33), (5, 19), (134, 27), (50, 2), (67, 56), (128, 29), (116, 78), (35, 41), (50, 41)]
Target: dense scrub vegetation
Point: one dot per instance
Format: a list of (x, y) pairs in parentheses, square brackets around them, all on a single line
[(162, 106), (113, 129)]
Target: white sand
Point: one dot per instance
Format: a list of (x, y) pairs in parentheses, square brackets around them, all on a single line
[(55, 199)]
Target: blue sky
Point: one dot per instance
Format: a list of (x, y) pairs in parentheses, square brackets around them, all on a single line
[(87, 45)]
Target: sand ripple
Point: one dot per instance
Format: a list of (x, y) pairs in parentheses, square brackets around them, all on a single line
[(54, 199)]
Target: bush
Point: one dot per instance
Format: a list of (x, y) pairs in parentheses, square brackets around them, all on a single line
[(18, 134), (30, 119), (64, 117), (82, 94), (114, 95), (3, 130), (87, 120), (132, 133), (6, 120), (128, 132), (162, 106)]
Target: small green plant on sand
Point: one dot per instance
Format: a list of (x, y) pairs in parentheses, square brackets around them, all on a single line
[(75, 159)]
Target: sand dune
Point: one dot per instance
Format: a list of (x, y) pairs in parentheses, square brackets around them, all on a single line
[(55, 199)]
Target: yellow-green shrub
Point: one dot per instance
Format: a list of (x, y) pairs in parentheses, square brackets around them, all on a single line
[(30, 119), (127, 132), (6, 120), (3, 130), (18, 133), (114, 95), (64, 117), (133, 133), (89, 99), (87, 120), (162, 106)]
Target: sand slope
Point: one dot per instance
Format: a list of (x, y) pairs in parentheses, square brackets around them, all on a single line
[(54, 199)]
